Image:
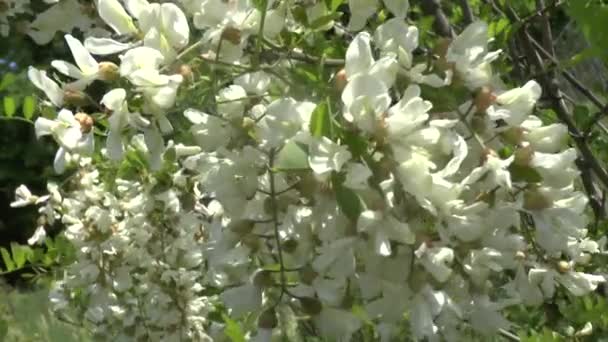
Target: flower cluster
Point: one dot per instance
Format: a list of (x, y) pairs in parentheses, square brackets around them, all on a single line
[(365, 205)]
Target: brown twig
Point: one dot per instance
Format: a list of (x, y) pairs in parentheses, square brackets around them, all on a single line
[(441, 25), (467, 12)]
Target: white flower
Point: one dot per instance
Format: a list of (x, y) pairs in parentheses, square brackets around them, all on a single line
[(398, 8), (210, 132), (359, 61), (547, 139), (365, 99), (231, 102), (396, 37), (50, 88), (115, 100), (406, 118), (38, 237), (495, 170), (254, 82), (361, 10), (24, 197), (357, 176), (112, 12), (470, 55), (578, 283), (88, 69), (284, 119), (436, 261), (514, 105), (67, 131), (326, 156), (64, 16), (384, 228), (164, 27)]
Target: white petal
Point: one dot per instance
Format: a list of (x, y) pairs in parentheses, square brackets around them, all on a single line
[(195, 116), (67, 69), (176, 25), (70, 137), (112, 12), (114, 99), (359, 57), (136, 7), (47, 85), (105, 46), (114, 145), (59, 161), (87, 64), (38, 237), (44, 126), (398, 8)]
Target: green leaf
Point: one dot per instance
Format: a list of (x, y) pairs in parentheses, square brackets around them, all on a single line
[(10, 106), (581, 115), (334, 4), (357, 144), (349, 202), (233, 330), (591, 17), (291, 157), (29, 107), (18, 255), (498, 27), (320, 121), (7, 80), (322, 21), (521, 173), (6, 258)]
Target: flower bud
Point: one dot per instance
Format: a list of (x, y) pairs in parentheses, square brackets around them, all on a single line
[(440, 50), (268, 319), (484, 99), (248, 124), (262, 278), (486, 153), (232, 35), (340, 80), (75, 97), (513, 135), (86, 122), (563, 266), (186, 71), (535, 200), (523, 156), (311, 306), (241, 227), (108, 71)]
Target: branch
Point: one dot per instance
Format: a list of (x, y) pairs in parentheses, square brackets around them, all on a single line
[(546, 26), (467, 12), (441, 25), (275, 222), (300, 56)]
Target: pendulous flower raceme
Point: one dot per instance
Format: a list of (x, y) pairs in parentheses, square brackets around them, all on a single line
[(231, 193)]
